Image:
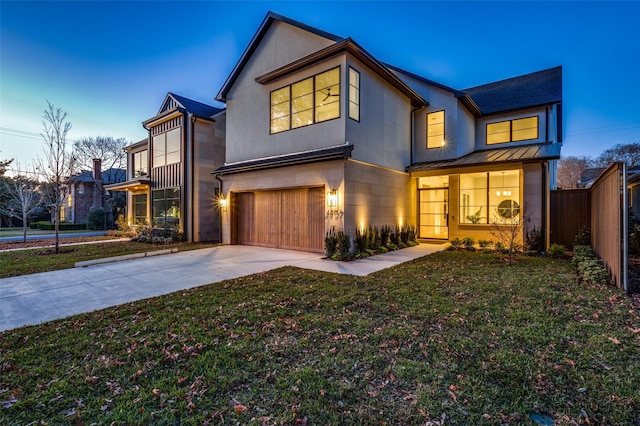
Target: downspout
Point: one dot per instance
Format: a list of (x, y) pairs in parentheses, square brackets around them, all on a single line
[(219, 195), (193, 156), (545, 212)]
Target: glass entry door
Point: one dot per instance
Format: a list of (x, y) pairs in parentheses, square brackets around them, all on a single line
[(434, 213)]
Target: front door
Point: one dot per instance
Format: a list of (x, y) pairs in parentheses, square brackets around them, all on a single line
[(434, 213)]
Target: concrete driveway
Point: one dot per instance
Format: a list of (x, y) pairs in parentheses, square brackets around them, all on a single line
[(37, 298)]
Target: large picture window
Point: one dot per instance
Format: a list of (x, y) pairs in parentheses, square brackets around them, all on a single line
[(140, 164), (492, 197), (521, 129), (306, 102), (435, 129), (166, 148), (166, 208)]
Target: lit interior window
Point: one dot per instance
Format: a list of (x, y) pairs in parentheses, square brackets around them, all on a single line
[(435, 129)]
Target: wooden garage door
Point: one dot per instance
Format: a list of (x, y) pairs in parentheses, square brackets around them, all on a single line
[(290, 219)]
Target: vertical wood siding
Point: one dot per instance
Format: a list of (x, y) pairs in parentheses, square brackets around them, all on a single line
[(168, 176), (606, 220), (166, 126), (570, 211)]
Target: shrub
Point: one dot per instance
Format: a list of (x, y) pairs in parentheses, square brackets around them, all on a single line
[(456, 244), (468, 243), (37, 225), (96, 218), (485, 245), (361, 240), (533, 241), (64, 226), (581, 253), (331, 243), (582, 237), (634, 238), (344, 245), (593, 271), (385, 232), (557, 250)]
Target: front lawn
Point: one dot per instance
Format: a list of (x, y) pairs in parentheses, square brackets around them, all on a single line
[(13, 263), (457, 338)]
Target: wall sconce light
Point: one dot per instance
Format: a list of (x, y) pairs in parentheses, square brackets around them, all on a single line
[(223, 203), (333, 203)]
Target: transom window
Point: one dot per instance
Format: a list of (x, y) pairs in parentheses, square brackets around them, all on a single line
[(140, 166), (492, 197), (354, 94), (166, 148), (306, 102), (521, 129), (435, 129)]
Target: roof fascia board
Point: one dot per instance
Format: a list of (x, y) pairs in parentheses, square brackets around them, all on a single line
[(255, 41), (353, 48), (166, 116)]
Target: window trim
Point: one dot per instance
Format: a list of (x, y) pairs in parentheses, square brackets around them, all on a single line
[(153, 146), (444, 128), (486, 134), (350, 101), (133, 162), (489, 189), (289, 86)]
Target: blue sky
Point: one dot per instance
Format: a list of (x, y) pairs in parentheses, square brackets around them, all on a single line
[(109, 65)]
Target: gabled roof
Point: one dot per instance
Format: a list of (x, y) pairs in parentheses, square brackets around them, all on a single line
[(255, 41), (350, 46), (194, 107), (535, 152), (529, 90), (111, 175)]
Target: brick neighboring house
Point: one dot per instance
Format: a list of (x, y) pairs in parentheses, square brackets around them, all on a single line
[(86, 192)]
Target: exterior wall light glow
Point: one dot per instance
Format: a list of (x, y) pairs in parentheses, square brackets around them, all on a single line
[(333, 204), (223, 203)]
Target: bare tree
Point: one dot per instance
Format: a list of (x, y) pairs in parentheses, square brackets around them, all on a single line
[(626, 153), (570, 169), (23, 199), (58, 165), (106, 148), (507, 227)]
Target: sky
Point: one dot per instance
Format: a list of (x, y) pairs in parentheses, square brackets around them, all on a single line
[(109, 65)]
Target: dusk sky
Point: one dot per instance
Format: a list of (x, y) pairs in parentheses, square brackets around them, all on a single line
[(109, 65)]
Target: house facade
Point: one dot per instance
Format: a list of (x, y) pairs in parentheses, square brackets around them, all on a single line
[(321, 134), (169, 181), (86, 192)]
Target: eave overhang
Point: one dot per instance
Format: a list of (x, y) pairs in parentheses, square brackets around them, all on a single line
[(165, 116), (339, 152), (345, 46), (514, 154), (130, 185)]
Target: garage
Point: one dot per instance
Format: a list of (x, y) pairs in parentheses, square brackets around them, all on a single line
[(289, 219)]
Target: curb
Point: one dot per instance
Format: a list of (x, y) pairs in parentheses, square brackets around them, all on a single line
[(86, 263)]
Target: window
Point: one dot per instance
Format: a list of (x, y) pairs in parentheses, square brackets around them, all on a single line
[(166, 148), (140, 166), (140, 208), (306, 102), (521, 129), (166, 208), (435, 129), (491, 197), (354, 94)]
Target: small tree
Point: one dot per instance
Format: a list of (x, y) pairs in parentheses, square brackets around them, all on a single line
[(58, 165), (23, 199), (507, 228)]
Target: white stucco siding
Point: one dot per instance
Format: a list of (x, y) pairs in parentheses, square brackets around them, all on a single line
[(382, 136), (481, 127), (248, 101)]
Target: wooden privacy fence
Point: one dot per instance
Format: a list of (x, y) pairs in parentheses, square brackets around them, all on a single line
[(570, 211), (603, 208)]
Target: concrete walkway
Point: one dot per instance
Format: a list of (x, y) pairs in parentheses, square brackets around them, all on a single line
[(37, 298)]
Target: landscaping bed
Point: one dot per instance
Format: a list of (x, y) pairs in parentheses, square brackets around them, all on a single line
[(451, 338)]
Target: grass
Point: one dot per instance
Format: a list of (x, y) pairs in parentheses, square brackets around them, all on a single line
[(17, 232), (458, 338), (14, 263)]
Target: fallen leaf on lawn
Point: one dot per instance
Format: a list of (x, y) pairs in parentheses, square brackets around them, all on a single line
[(156, 392), (240, 408), (615, 340)]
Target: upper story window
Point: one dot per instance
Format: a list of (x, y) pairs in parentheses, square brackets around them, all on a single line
[(354, 94), (166, 148), (140, 163), (435, 129), (521, 129), (306, 102)]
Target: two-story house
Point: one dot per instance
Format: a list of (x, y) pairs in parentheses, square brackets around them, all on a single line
[(169, 175), (321, 134)]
